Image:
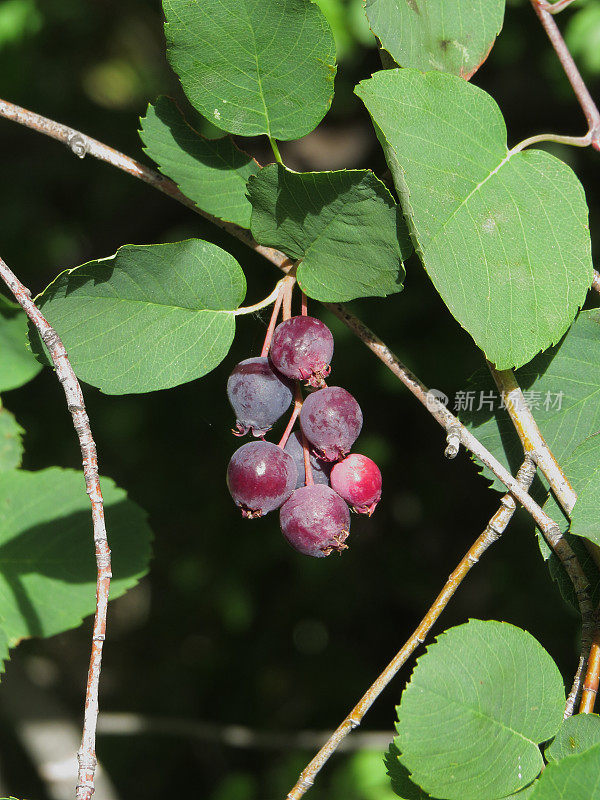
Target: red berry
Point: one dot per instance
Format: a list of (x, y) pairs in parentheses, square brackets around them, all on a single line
[(302, 348), (358, 480), (331, 420), (260, 477), (315, 521), (258, 394)]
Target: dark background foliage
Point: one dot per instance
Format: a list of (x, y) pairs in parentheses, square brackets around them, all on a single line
[(232, 626)]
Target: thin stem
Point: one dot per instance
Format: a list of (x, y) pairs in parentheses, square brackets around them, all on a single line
[(75, 403), (493, 531), (586, 102), (592, 676), (294, 416), (275, 150), (287, 301), (555, 8), (305, 305), (574, 141), (280, 288), (263, 303), (308, 473)]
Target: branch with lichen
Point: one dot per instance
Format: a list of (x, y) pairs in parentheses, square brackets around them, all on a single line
[(86, 755)]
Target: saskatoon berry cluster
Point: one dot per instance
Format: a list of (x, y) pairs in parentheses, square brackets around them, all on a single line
[(309, 475)]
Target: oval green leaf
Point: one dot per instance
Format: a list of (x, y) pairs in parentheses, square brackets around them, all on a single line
[(344, 227), (503, 235), (478, 704), (448, 35), (17, 364), (574, 778), (47, 562), (150, 317), (253, 68), (211, 172), (575, 735)]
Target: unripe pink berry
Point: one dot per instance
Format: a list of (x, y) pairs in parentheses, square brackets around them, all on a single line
[(358, 480)]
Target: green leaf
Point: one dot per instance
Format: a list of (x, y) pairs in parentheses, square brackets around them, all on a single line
[(211, 172), (448, 35), (11, 446), (583, 470), (575, 778), (149, 317), (344, 226), (503, 236), (47, 562), (575, 735), (17, 364), (478, 704), (253, 67), (400, 776), (562, 388)]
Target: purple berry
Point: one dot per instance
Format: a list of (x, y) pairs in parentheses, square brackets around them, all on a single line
[(331, 420), (258, 396), (357, 480), (260, 477), (320, 469), (315, 521), (302, 348)]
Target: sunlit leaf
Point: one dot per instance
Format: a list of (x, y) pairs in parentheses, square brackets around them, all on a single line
[(503, 235), (149, 317)]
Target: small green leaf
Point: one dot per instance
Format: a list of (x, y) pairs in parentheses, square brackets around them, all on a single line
[(478, 704), (211, 172), (448, 35), (17, 364), (11, 446), (149, 317), (575, 735), (503, 235), (344, 226), (253, 68), (574, 778), (47, 562)]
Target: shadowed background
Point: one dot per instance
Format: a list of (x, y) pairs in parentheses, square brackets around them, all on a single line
[(232, 626)]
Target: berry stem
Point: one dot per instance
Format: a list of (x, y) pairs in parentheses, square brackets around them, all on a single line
[(287, 300), (274, 314), (296, 410), (309, 480), (304, 305)]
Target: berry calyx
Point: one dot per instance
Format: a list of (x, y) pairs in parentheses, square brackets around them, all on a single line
[(331, 420), (302, 348), (357, 480), (258, 394), (260, 477), (315, 521), (320, 469)]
